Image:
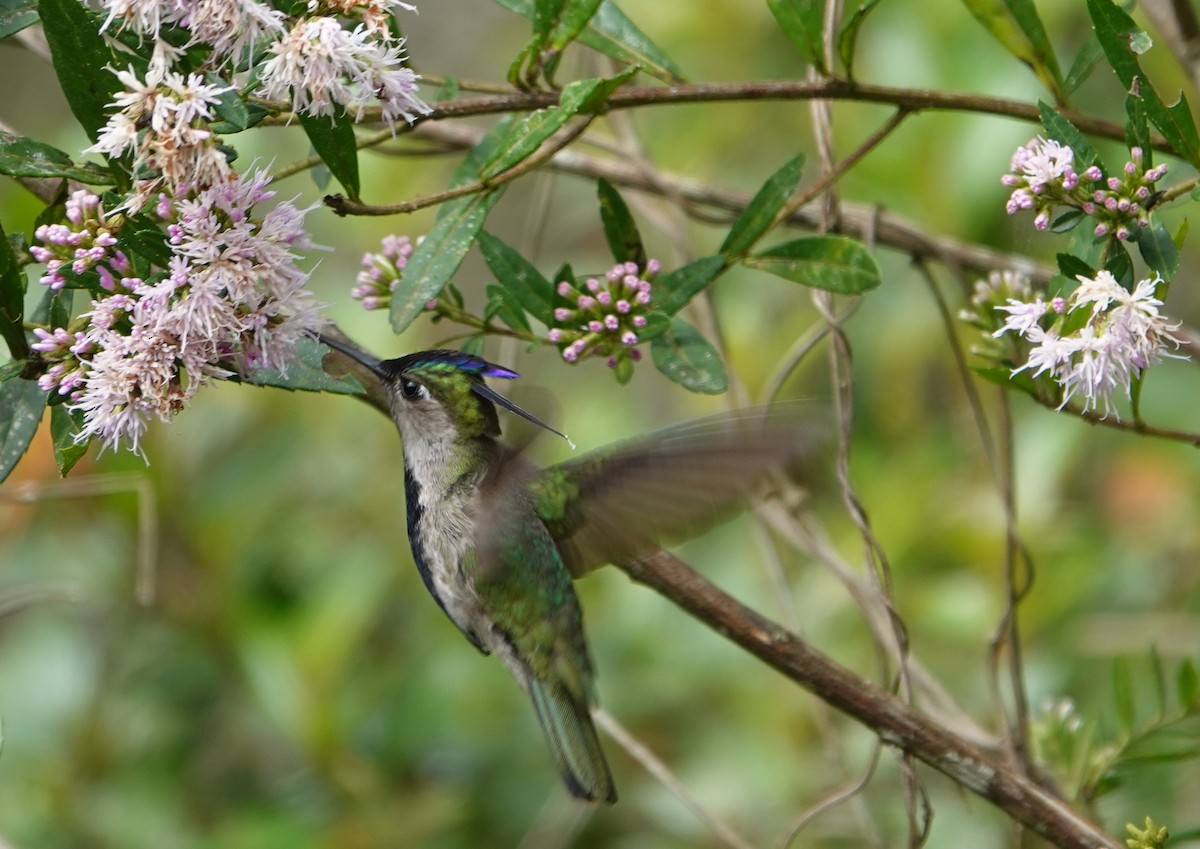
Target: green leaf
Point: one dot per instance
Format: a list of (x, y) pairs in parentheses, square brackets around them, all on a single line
[(1063, 131), (146, 238), (472, 164), (21, 405), (1188, 684), (1121, 39), (657, 323), (1004, 377), (848, 37), (439, 255), (613, 34), (673, 291), (65, 426), (687, 358), (1086, 60), (595, 99), (503, 303), (803, 21), (333, 140), (23, 157), (758, 215), (305, 373), (1072, 267), (473, 345), (12, 301), (1160, 681), (576, 16), (1137, 128), (1016, 25), (528, 134), (836, 263), (80, 55), (15, 15), (1116, 259), (1157, 248), (1068, 221), (620, 230), (519, 276), (235, 114)]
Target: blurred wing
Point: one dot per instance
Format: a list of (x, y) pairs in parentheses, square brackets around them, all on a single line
[(628, 501)]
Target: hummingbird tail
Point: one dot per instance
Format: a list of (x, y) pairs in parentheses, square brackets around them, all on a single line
[(567, 725)]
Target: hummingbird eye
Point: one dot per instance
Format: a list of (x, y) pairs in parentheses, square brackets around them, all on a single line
[(411, 389)]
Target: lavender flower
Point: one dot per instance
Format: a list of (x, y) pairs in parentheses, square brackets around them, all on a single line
[(231, 297)]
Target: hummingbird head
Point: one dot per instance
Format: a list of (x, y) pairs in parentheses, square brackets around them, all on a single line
[(442, 391), (441, 394)]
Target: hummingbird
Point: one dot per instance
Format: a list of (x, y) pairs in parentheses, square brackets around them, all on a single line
[(497, 539)]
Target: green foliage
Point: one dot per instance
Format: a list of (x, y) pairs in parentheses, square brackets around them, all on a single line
[(12, 300), (435, 260), (1122, 40), (332, 137), (21, 405), (1017, 26), (803, 21), (603, 27), (15, 15), (835, 263), (23, 157), (620, 230), (80, 59), (758, 216), (686, 357), (1155, 723), (519, 278)]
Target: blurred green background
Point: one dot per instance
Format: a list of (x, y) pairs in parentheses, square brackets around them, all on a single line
[(292, 684)]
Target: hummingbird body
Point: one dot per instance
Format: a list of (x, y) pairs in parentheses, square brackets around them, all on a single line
[(486, 557), (497, 539)]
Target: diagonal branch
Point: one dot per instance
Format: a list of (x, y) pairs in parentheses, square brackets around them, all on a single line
[(896, 722)]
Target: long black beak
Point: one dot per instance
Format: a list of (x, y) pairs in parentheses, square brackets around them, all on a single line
[(362, 357)]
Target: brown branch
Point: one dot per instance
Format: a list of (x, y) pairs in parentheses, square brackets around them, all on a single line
[(896, 722), (860, 220), (908, 99)]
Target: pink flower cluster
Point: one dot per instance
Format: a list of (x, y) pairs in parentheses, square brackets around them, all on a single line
[(84, 243), (231, 297), (604, 314), (381, 272), (1043, 176)]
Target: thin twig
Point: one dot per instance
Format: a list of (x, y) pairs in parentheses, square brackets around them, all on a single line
[(346, 206), (655, 766)]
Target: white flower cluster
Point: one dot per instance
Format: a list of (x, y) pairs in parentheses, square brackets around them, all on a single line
[(342, 54), (1118, 334), (163, 122)]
